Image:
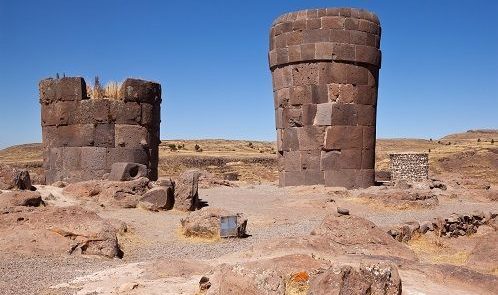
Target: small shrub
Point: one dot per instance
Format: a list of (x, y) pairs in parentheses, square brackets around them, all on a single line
[(111, 90), (250, 145), (492, 141), (98, 91), (197, 148), (181, 146), (478, 140), (172, 147)]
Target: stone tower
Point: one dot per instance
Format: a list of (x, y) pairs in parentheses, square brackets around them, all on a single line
[(325, 67), (83, 137)]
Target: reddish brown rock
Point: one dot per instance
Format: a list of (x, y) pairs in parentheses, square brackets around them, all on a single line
[(186, 191)]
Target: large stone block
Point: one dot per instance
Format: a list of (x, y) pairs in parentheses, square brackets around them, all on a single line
[(366, 115), (300, 95), (58, 113), (305, 74), (131, 136), (311, 137), (140, 91), (290, 141), (75, 135), (310, 160), (343, 137), (329, 160), (147, 115), (119, 154), (92, 111), (292, 178), (368, 138), (367, 159), (313, 177), (341, 178), (292, 117), (344, 114), (125, 171), (93, 158), (323, 115), (350, 159), (309, 113), (104, 135), (65, 89), (71, 158), (292, 161), (127, 112)]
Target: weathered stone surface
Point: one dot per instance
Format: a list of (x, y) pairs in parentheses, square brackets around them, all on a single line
[(20, 198), (205, 223), (325, 68), (379, 278), (83, 137), (124, 171), (57, 231), (186, 191), (160, 197), (12, 178), (409, 166)]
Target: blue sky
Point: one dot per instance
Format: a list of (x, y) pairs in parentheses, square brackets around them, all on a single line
[(439, 73)]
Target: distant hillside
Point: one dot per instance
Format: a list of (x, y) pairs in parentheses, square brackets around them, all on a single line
[(256, 161), (482, 134)]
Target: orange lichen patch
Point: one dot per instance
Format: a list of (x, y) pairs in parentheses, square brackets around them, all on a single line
[(298, 284), (300, 277)]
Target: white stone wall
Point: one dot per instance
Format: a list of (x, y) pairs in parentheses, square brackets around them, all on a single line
[(409, 166)]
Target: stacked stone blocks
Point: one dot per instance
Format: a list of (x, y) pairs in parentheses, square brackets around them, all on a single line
[(83, 137), (409, 166), (325, 65)]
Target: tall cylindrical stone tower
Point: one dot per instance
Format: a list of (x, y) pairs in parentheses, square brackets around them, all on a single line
[(83, 137), (325, 67)]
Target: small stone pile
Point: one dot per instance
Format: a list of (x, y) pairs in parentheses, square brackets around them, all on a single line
[(453, 226)]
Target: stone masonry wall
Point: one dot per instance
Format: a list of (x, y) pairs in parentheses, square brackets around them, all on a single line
[(409, 166), (83, 137), (325, 66)]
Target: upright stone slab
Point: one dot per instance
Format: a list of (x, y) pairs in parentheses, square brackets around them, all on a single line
[(83, 137), (325, 67)]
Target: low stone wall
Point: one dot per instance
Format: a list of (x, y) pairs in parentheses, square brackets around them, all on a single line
[(453, 226), (82, 137), (409, 166)]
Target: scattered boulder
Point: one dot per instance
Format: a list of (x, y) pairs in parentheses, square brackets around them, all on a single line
[(55, 230), (342, 211), (379, 278), (20, 198), (124, 171), (125, 194), (12, 178), (205, 223), (161, 197), (186, 191)]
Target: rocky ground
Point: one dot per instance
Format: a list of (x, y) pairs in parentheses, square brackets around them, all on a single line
[(296, 242)]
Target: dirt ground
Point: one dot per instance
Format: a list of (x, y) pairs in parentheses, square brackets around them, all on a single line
[(273, 212)]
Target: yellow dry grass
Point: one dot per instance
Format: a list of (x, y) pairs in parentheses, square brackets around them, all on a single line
[(196, 239), (110, 90), (435, 250)]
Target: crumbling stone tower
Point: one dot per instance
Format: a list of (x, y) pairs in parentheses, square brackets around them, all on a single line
[(83, 137), (325, 66)]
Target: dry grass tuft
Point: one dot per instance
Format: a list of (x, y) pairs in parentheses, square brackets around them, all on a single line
[(436, 251), (298, 284), (97, 91)]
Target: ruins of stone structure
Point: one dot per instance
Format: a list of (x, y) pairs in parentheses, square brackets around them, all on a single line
[(409, 166), (83, 137), (325, 66)]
